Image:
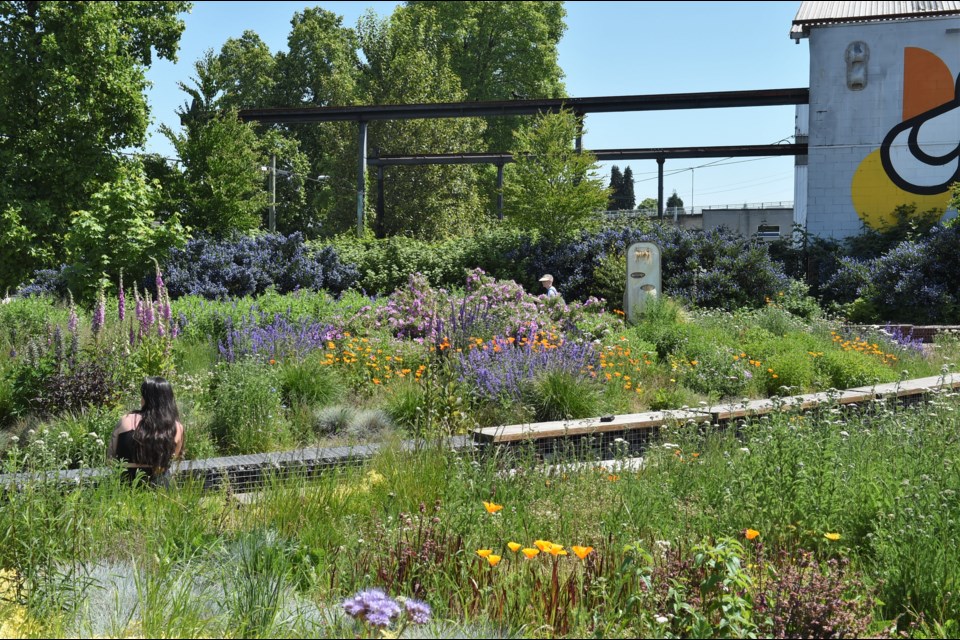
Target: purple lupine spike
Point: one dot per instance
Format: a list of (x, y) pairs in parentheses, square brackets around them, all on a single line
[(99, 314), (133, 337), (121, 300), (73, 320)]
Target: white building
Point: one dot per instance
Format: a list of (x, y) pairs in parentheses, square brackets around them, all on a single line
[(884, 114)]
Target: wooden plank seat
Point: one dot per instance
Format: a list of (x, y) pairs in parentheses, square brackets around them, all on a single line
[(587, 426)]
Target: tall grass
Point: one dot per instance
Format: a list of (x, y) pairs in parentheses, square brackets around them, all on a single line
[(883, 483)]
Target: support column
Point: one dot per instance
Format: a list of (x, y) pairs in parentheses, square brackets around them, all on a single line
[(660, 162), (272, 220), (500, 191), (361, 174), (381, 207)]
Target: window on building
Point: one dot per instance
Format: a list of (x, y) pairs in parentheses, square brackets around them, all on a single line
[(768, 231)]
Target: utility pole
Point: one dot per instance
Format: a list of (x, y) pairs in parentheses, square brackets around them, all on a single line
[(273, 193)]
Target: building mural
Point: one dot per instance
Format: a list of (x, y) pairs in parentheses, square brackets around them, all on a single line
[(919, 158), (883, 121)]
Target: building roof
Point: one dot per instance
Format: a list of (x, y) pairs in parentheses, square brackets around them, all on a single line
[(812, 14)]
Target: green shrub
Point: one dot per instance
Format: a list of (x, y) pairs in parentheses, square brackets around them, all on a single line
[(558, 395), (247, 414), (848, 369), (793, 368)]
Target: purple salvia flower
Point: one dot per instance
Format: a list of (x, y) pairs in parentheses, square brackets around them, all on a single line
[(160, 330), (133, 337), (174, 330), (159, 282)]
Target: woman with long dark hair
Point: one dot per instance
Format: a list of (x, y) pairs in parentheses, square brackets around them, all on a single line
[(148, 439)]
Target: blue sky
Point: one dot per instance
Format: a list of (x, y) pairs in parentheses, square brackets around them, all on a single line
[(609, 48)]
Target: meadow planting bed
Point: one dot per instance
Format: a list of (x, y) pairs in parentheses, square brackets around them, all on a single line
[(835, 523)]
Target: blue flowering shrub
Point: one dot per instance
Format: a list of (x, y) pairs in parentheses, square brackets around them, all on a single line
[(243, 266), (713, 269), (915, 281)]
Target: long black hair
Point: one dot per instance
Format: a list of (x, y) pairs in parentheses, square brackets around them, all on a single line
[(156, 435)]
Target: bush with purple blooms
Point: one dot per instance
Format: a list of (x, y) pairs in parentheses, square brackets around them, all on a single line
[(714, 269), (377, 609), (246, 266), (487, 307)]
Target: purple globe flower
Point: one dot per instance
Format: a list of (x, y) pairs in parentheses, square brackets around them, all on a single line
[(418, 611), (373, 607)]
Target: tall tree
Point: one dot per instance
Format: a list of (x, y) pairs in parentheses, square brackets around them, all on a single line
[(321, 68), (72, 82), (499, 50), (628, 198), (428, 201), (222, 184), (551, 187), (674, 204), (616, 186)]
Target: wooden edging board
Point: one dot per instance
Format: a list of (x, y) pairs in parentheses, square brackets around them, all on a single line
[(716, 413)]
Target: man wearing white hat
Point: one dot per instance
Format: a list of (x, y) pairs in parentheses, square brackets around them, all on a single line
[(547, 282)]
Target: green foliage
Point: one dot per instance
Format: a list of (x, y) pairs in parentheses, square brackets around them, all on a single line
[(674, 203), (908, 225), (118, 233), (849, 369), (550, 187), (498, 51), (247, 414), (386, 264), (72, 94), (400, 68), (222, 186)]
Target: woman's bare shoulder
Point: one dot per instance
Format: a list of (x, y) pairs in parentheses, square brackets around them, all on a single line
[(127, 423)]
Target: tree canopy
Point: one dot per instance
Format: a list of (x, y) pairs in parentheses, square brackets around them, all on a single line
[(72, 82)]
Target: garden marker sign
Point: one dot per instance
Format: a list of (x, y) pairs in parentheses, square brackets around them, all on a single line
[(643, 277)]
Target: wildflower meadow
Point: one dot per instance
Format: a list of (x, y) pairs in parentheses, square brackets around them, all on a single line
[(834, 524)]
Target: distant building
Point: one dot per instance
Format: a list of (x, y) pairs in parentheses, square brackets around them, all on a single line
[(883, 123)]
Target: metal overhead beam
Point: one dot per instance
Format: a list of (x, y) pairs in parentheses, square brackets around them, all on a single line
[(669, 153), (480, 109)]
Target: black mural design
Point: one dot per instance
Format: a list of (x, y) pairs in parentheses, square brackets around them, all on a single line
[(912, 126)]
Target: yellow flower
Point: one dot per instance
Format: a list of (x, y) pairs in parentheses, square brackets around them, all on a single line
[(493, 560), (613, 477), (582, 552), (483, 553), (543, 545), (832, 536), (750, 534), (492, 507), (557, 550), (514, 546), (530, 553)]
